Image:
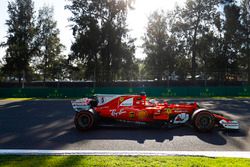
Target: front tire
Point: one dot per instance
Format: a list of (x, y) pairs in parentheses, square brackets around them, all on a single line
[(204, 121), (84, 120)]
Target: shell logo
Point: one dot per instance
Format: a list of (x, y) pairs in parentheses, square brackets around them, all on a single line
[(121, 99), (131, 115), (168, 111), (142, 115)]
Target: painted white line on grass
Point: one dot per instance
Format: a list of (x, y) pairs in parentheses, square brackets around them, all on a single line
[(236, 154)]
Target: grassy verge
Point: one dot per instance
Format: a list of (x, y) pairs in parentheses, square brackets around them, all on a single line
[(16, 99), (110, 161)]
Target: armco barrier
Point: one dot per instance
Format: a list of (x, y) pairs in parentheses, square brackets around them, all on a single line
[(150, 91)]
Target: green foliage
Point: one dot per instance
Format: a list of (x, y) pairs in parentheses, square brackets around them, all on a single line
[(195, 21), (49, 61), (101, 41), (20, 39), (244, 57), (205, 38), (32, 48), (209, 39), (1, 73), (159, 47)]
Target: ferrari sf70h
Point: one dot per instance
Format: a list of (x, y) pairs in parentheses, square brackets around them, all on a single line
[(138, 110)]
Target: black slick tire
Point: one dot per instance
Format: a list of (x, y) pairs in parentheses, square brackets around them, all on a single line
[(84, 120), (204, 121)]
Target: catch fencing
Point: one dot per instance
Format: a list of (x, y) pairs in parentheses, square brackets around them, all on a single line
[(218, 91)]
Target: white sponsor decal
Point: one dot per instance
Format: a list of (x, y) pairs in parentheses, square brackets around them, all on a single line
[(181, 118), (103, 99), (116, 114), (128, 102), (81, 104), (230, 124)]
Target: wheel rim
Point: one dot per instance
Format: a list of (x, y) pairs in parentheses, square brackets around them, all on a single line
[(84, 121), (205, 121)]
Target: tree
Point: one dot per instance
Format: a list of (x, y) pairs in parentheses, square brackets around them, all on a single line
[(20, 39), (49, 59), (195, 19), (245, 37), (86, 31), (225, 42), (231, 36), (177, 29), (129, 68), (214, 43), (99, 28), (158, 46), (1, 72)]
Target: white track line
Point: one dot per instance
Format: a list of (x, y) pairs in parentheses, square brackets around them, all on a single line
[(236, 154)]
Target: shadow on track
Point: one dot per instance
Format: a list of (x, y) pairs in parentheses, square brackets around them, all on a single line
[(140, 135)]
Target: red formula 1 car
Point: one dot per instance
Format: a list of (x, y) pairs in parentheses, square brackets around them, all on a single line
[(136, 109)]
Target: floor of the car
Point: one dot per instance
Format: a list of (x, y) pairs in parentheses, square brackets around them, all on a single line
[(133, 124)]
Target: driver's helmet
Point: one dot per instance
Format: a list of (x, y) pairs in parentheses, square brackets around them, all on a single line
[(153, 101)]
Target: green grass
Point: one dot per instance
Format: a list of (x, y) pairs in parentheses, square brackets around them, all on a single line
[(16, 99), (120, 161)]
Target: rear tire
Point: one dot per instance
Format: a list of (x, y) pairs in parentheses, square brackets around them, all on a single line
[(84, 120), (204, 121)]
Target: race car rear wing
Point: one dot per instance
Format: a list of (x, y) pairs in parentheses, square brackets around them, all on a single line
[(81, 104)]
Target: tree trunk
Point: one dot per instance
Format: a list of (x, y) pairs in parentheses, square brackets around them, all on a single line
[(44, 76), (193, 64), (194, 48), (248, 69), (19, 80), (24, 78)]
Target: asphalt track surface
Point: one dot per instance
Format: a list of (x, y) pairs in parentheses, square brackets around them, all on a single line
[(48, 124)]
